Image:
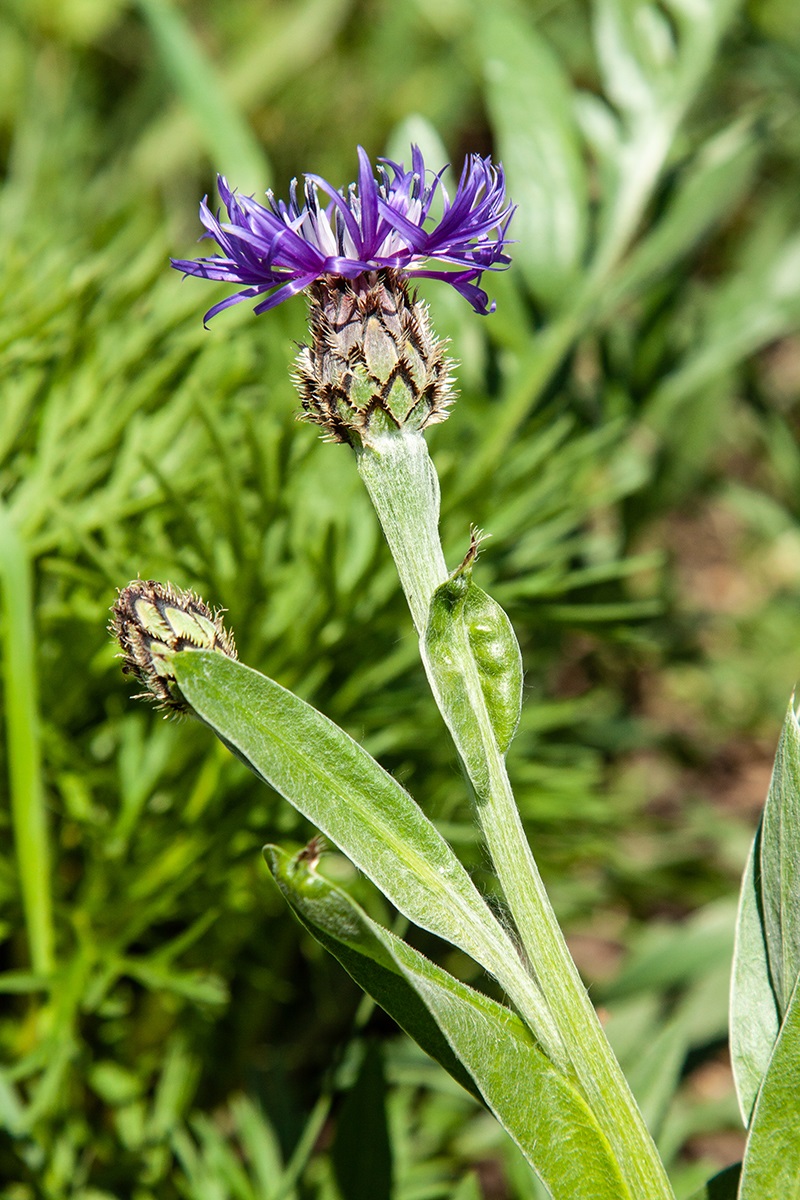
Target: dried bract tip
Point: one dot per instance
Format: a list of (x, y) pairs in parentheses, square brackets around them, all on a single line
[(476, 539), (152, 621), (312, 852), (374, 364)]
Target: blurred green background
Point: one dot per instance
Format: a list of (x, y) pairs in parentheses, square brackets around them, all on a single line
[(626, 433)]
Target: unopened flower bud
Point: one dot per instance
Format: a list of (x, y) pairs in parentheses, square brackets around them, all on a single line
[(374, 364), (152, 621)]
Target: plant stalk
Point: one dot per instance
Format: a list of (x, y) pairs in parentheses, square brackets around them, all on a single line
[(28, 814), (402, 484), (406, 505)]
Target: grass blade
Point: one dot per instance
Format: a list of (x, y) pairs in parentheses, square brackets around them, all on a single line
[(24, 755), (232, 146)]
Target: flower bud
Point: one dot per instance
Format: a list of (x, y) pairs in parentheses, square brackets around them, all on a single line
[(152, 621), (374, 364)]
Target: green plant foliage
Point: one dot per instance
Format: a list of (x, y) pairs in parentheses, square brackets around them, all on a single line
[(531, 106), (342, 790), (766, 963), (490, 1041), (362, 1152), (772, 1161), (755, 1020), (333, 782), (666, 1005), (724, 1186), (780, 866), (599, 442)]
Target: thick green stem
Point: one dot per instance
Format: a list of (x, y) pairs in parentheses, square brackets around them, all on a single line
[(404, 488), (402, 484)]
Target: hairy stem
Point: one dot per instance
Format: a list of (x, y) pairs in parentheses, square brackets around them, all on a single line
[(402, 484)]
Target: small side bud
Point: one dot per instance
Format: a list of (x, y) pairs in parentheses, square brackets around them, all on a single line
[(152, 621), (374, 364)]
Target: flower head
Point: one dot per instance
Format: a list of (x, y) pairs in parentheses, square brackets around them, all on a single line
[(374, 364), (378, 224), (152, 621)]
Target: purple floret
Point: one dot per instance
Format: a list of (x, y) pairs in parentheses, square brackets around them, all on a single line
[(379, 223)]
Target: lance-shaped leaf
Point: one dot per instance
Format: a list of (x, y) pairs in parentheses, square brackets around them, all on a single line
[(338, 786), (343, 929), (754, 1021), (771, 1164), (541, 1108), (780, 864), (706, 189), (531, 107), (724, 1186), (361, 1153), (767, 957)]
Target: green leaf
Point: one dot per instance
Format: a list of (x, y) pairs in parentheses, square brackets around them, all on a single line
[(230, 141), (754, 1021), (335, 921), (704, 192), (259, 1142), (540, 1107), (655, 1074), (362, 1151), (21, 720), (653, 60), (175, 1088), (652, 63), (469, 1188), (767, 956), (757, 305), (531, 107), (333, 782), (634, 51), (114, 1083), (476, 664), (771, 1164), (723, 1186), (780, 864)]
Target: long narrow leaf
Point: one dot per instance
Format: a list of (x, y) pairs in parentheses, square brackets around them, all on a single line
[(724, 1186), (780, 864), (229, 139), (754, 1021), (541, 1108), (771, 1164), (338, 786), (28, 810), (767, 958), (531, 106)]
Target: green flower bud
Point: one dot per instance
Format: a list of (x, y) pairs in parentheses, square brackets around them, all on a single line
[(374, 364), (152, 621)]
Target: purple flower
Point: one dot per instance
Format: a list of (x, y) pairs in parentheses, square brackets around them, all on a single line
[(377, 224)]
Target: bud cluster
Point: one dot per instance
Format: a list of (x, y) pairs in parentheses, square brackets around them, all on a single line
[(152, 621), (374, 364)]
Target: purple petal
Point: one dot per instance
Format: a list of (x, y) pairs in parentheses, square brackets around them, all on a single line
[(381, 222), (286, 292), (462, 283), (338, 199), (368, 201)]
